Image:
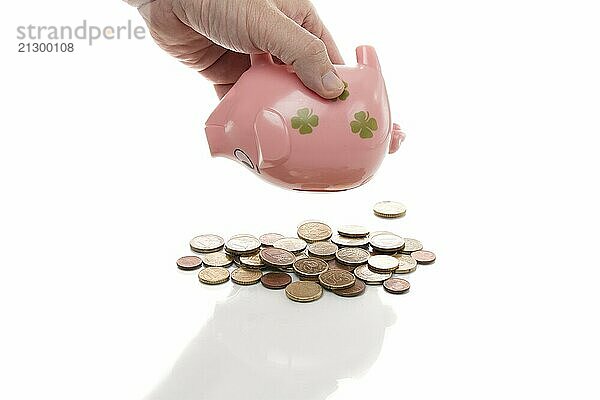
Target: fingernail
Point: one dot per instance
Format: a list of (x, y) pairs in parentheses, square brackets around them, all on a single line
[(331, 82)]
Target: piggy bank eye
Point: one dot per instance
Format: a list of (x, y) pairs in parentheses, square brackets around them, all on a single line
[(243, 157)]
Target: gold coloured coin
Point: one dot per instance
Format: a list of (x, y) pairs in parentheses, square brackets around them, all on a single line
[(411, 245), (314, 231), (310, 267), (246, 276), (213, 275), (406, 264), (382, 264), (369, 277), (389, 209), (303, 291), (268, 239), (352, 256), (206, 243), (423, 256), (242, 245), (353, 231), (336, 279), (293, 245), (387, 243), (342, 241), (252, 261), (324, 250), (218, 259)]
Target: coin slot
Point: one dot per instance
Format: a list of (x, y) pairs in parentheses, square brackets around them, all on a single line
[(243, 158)]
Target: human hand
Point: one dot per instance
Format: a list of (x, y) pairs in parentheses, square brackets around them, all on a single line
[(215, 37)]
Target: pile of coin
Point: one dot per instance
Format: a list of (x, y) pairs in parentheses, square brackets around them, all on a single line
[(342, 263)]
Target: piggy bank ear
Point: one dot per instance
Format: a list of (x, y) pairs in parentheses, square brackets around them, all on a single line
[(366, 55)]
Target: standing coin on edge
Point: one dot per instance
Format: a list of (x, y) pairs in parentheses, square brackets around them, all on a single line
[(411, 245), (423, 256), (213, 275), (336, 279), (275, 280), (218, 259), (242, 245), (396, 285), (206, 243), (387, 243), (304, 292), (352, 256), (189, 263), (353, 231), (277, 258), (355, 290), (382, 264), (293, 245), (369, 277), (314, 231), (268, 239), (406, 264), (246, 276), (324, 250), (389, 209), (310, 267)]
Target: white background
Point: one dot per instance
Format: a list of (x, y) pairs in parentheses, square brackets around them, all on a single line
[(106, 175)]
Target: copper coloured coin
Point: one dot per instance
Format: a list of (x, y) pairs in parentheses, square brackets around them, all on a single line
[(268, 239), (355, 290), (423, 256), (336, 279), (396, 285), (189, 263), (275, 280), (278, 258)]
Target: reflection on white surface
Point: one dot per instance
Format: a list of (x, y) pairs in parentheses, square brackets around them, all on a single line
[(260, 345)]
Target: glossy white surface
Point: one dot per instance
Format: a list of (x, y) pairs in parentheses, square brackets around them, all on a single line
[(105, 177)]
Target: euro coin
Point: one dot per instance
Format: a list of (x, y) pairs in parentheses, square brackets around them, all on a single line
[(213, 275), (324, 250), (275, 257), (268, 239), (242, 245), (396, 285), (387, 243), (389, 209), (423, 256), (352, 256), (275, 280), (293, 245), (369, 277), (206, 243), (189, 263), (355, 290), (314, 231), (254, 261), (310, 267), (343, 241), (353, 231), (406, 264), (411, 245), (246, 276), (382, 264), (336, 279), (218, 259), (303, 291)]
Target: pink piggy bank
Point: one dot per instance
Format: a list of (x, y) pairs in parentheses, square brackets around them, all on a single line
[(271, 123)]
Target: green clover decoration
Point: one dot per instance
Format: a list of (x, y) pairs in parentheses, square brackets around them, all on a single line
[(305, 121), (363, 123)]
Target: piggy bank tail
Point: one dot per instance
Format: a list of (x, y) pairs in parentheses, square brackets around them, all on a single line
[(397, 138)]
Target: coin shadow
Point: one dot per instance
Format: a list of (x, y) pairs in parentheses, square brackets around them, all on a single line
[(258, 345)]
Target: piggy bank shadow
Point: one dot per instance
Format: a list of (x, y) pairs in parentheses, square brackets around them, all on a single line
[(259, 345)]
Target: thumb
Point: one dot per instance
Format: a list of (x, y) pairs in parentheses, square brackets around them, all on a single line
[(296, 46)]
